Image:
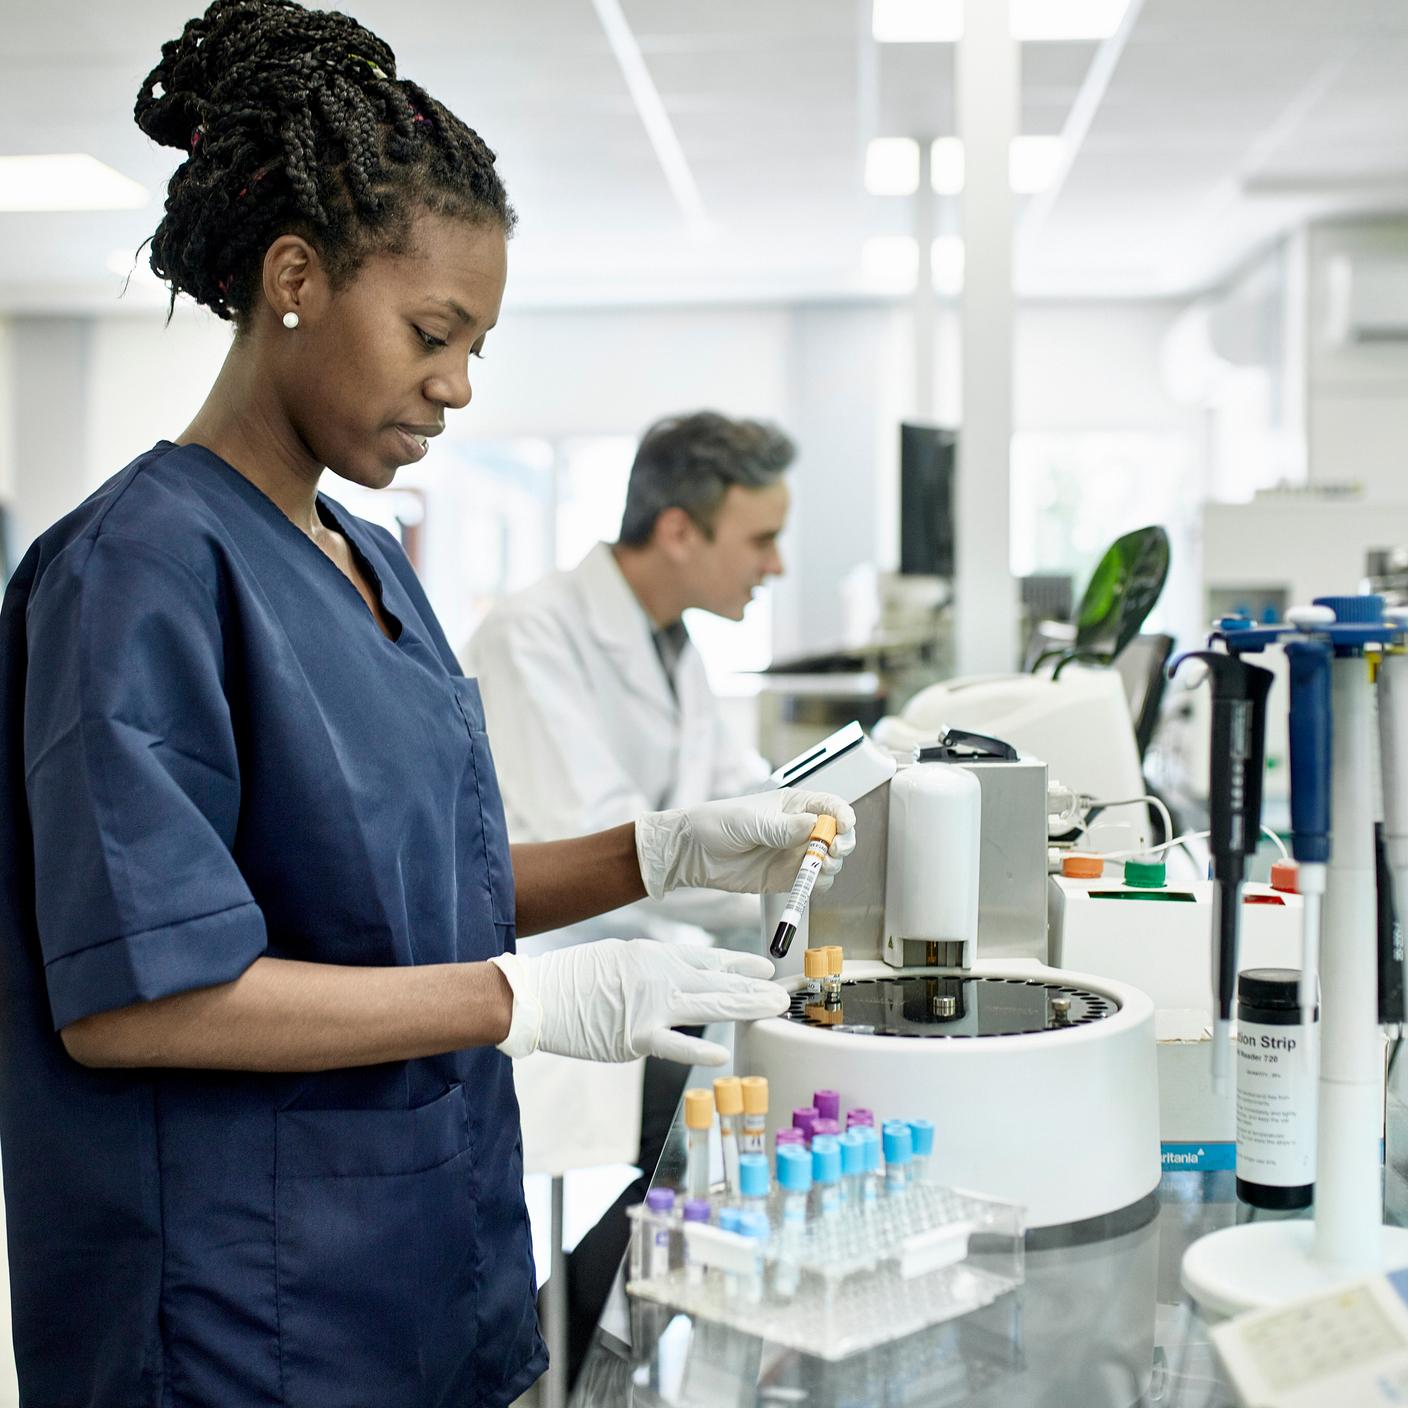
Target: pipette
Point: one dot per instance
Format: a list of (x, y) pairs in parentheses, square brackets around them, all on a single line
[(1309, 662), (1239, 693), (1393, 762), (818, 846)]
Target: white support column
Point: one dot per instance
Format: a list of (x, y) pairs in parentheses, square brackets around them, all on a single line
[(924, 287), (987, 94)]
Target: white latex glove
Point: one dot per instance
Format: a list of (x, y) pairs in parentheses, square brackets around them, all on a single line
[(750, 845), (617, 999)]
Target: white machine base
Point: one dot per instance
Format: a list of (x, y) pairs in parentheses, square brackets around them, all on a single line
[(1063, 1122), (1266, 1263)]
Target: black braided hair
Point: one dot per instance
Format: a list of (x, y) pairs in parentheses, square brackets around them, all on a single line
[(295, 122)]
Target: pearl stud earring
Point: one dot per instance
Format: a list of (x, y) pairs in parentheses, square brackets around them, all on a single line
[(290, 320)]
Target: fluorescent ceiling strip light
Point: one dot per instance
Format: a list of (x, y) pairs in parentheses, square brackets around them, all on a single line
[(1033, 164), (71, 181), (917, 21), (891, 263), (653, 116), (1066, 19), (892, 166)]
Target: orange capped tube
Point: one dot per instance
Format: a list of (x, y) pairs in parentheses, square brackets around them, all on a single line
[(818, 846)]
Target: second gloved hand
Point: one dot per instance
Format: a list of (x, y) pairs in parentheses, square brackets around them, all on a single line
[(617, 999), (750, 845)]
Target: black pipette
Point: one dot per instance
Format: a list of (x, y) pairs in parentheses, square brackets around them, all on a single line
[(1239, 693)]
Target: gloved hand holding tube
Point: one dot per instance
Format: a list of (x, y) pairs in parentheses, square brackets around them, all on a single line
[(617, 1000)]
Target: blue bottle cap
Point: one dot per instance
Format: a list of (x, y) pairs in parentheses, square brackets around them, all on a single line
[(753, 1176), (921, 1134), (755, 1225), (696, 1210), (826, 1160), (899, 1143), (852, 1152), (872, 1150), (729, 1219), (794, 1168), (660, 1199)]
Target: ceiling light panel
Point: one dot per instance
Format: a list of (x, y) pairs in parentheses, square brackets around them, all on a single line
[(70, 181), (892, 166), (917, 21), (1035, 20)]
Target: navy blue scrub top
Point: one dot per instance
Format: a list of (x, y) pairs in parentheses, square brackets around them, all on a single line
[(211, 752)]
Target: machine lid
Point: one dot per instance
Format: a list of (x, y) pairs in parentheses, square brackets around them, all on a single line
[(952, 1006)]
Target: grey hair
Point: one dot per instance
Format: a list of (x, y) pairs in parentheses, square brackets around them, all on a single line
[(690, 462)]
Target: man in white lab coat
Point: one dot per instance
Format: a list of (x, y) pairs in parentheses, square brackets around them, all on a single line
[(598, 707)]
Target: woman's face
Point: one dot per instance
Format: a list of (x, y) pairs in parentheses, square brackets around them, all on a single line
[(372, 368)]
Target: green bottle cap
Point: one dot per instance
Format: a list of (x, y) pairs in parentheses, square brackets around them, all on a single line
[(1145, 874)]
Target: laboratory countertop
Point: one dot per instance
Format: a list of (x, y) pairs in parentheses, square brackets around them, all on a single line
[(1101, 1322)]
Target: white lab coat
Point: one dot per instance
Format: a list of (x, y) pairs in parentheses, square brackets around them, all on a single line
[(586, 734)]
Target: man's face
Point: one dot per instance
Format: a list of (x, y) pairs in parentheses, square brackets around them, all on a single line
[(725, 568)]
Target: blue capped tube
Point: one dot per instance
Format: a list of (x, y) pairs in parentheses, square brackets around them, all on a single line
[(853, 1167), (826, 1174), (899, 1151), (870, 1187), (753, 1181), (794, 1177), (921, 1133)]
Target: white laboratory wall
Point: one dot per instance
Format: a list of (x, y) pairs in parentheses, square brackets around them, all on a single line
[(89, 394), (1356, 397)]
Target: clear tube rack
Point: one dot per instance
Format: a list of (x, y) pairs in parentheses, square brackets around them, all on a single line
[(864, 1277)]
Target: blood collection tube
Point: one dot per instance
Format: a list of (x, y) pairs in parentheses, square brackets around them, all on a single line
[(753, 1181), (899, 1150), (853, 1167), (695, 1210), (754, 1225), (922, 1138), (660, 1202), (728, 1097), (826, 1174), (859, 1115), (814, 970), (818, 845), (755, 1116), (870, 1188), (789, 1134), (831, 984), (826, 1127), (828, 1104), (698, 1117), (804, 1118)]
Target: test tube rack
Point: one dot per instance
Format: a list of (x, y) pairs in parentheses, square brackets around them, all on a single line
[(864, 1277)]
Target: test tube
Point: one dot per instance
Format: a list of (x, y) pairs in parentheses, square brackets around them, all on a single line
[(853, 1167), (870, 1188), (803, 1118), (728, 1097), (828, 1104), (754, 1225), (731, 1220), (826, 1174), (831, 984), (753, 1182), (755, 1116), (922, 1136), (818, 845), (824, 1126), (794, 1176), (899, 1150), (789, 1134), (695, 1210), (661, 1202), (814, 968), (698, 1117), (859, 1115)]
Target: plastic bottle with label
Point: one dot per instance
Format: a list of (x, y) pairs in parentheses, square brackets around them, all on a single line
[(1276, 1091)]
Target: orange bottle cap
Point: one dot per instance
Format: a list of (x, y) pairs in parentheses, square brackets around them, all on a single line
[(755, 1095), (728, 1095), (1285, 875), (814, 963), (698, 1109), (835, 957), (1082, 867), (824, 830)]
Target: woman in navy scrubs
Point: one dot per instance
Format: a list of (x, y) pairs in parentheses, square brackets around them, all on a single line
[(257, 905)]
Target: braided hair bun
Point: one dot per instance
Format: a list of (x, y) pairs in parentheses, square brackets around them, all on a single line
[(294, 122)]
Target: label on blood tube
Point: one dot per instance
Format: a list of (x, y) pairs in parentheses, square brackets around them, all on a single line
[(802, 886)]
